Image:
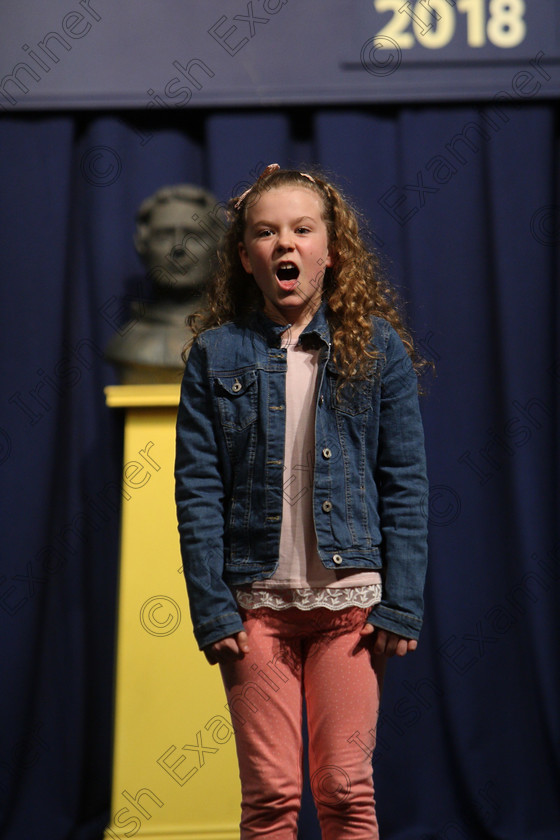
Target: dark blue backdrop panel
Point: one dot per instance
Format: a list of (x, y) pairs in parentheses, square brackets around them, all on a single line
[(462, 203), (233, 52)]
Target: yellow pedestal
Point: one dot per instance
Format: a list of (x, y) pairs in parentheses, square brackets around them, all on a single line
[(174, 768)]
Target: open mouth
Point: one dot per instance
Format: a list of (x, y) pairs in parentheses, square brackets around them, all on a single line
[(287, 275)]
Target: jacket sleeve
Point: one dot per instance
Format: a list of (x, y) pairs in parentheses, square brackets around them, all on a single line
[(403, 495), (199, 495)]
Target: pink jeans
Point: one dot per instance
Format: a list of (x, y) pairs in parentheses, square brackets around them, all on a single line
[(321, 653)]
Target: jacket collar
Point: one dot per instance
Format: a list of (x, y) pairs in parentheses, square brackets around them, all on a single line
[(272, 331)]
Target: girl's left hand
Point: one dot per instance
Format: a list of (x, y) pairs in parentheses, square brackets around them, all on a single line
[(387, 643)]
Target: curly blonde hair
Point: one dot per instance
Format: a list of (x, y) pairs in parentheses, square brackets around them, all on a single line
[(354, 288)]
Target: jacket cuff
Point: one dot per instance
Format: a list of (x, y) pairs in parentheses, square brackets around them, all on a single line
[(403, 623), (212, 631)]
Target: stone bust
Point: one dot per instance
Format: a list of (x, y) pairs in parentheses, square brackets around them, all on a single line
[(177, 230)]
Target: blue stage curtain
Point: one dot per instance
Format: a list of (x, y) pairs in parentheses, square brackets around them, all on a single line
[(463, 203)]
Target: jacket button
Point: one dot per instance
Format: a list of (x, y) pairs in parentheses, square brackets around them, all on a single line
[(321, 400), (327, 506), (337, 559), (327, 453), (237, 386)]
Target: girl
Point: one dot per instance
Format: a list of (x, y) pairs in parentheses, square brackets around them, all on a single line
[(300, 484)]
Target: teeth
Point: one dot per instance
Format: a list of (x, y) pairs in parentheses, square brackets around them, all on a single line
[(287, 271)]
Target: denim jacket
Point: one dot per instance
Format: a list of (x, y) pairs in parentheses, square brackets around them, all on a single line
[(369, 483)]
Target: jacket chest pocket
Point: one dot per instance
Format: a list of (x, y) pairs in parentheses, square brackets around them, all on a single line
[(353, 397), (236, 395)]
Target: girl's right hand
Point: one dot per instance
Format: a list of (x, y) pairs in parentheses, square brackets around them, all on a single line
[(224, 650)]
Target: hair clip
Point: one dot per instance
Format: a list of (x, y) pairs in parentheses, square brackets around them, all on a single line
[(272, 167), (242, 198)]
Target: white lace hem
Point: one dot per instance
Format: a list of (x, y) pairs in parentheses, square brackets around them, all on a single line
[(309, 599)]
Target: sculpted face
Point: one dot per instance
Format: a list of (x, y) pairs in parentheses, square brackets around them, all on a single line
[(175, 248)]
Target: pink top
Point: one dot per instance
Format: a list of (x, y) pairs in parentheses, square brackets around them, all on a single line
[(300, 567)]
